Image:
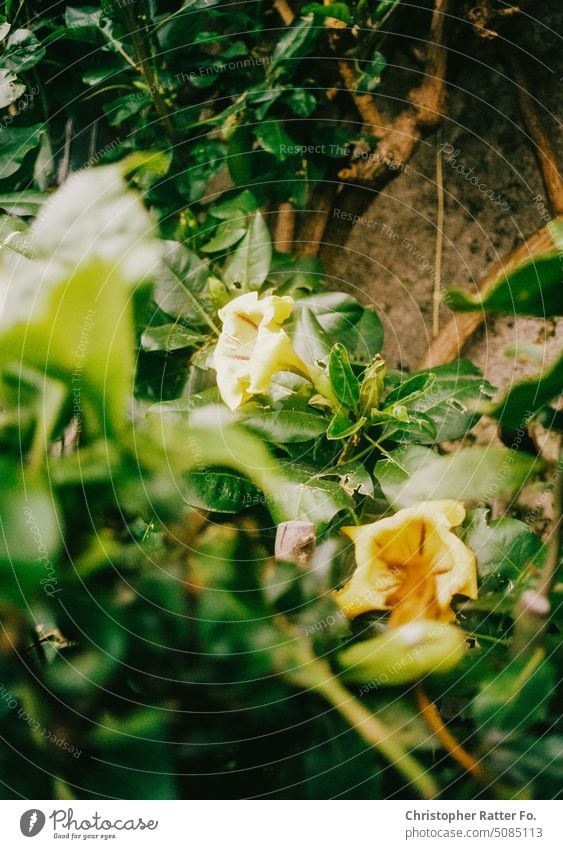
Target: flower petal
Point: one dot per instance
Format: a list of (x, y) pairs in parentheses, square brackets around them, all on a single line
[(416, 541), (252, 347)]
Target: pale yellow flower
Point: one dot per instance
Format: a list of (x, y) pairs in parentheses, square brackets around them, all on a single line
[(411, 564), (253, 347)]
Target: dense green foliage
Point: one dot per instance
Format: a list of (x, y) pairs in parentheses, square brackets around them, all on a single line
[(152, 646)]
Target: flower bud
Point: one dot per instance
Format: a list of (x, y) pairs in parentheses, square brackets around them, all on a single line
[(372, 385), (404, 654)]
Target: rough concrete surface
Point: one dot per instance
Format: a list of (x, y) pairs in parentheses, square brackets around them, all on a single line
[(389, 261)]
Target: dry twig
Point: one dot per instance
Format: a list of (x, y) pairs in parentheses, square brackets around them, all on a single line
[(449, 343), (455, 334), (285, 227), (424, 113), (285, 11), (543, 149), (311, 232)]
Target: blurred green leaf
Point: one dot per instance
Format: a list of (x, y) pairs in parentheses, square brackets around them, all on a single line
[(219, 490), (518, 696), (450, 397), (23, 51), (17, 142), (250, 262), (227, 234), (503, 548), (414, 473), (339, 11), (295, 42), (533, 289), (170, 337), (320, 321), (526, 397), (288, 420)]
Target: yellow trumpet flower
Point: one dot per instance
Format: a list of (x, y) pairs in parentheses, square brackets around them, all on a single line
[(253, 346), (411, 564)]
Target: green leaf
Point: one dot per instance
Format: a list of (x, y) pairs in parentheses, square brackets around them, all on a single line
[(98, 462), (171, 337), (239, 154), (94, 216), (290, 420), (30, 533), (340, 11), (82, 17), (239, 206), (300, 101), (451, 401), (296, 276), (371, 73), (23, 51), (180, 408), (504, 548), (414, 473), (250, 263), (526, 397), (295, 42), (273, 139), (10, 89), (227, 234), (417, 428), (262, 97), (306, 497), (23, 203), (307, 334), (410, 389), (28, 517), (220, 490), (16, 144), (342, 425), (353, 477), (147, 171), (181, 281), (290, 492), (14, 235), (344, 382), (338, 318), (532, 762), (122, 108), (518, 696), (91, 242), (533, 289)]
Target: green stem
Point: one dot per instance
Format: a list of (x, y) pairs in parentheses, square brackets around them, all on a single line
[(485, 638), (554, 540), (49, 408), (533, 608), (361, 454), (197, 306), (533, 663), (385, 453), (139, 35), (316, 674), (105, 89)]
